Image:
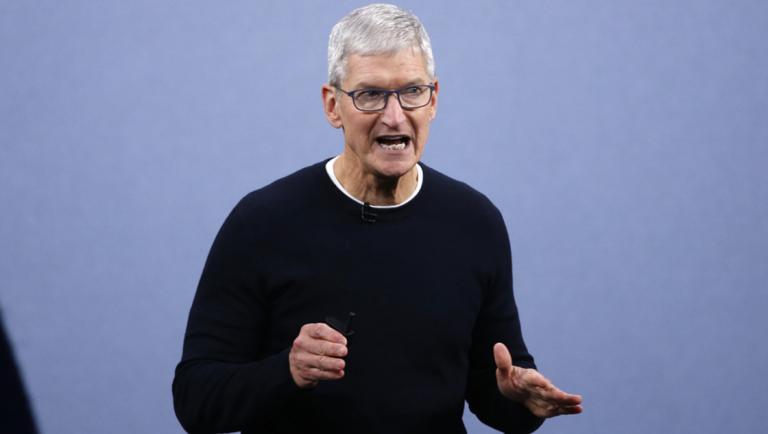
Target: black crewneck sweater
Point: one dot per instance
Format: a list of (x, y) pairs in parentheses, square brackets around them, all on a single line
[(430, 283)]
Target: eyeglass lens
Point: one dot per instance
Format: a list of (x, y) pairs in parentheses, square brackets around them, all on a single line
[(409, 97)]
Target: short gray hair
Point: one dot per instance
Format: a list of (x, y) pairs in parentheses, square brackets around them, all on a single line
[(376, 29)]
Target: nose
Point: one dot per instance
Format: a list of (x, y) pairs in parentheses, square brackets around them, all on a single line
[(393, 115)]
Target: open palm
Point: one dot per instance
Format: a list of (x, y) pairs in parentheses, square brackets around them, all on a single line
[(530, 388)]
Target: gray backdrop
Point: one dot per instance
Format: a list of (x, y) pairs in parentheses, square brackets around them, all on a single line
[(625, 142)]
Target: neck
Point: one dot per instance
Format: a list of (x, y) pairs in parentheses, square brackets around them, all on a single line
[(373, 189)]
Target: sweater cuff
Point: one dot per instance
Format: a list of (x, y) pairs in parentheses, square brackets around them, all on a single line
[(281, 383)]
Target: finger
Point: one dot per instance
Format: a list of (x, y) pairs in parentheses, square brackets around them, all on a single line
[(549, 392), (325, 332), (571, 409), (535, 379), (314, 374), (557, 397), (544, 408), (324, 348), (502, 357), (308, 361), (551, 395), (558, 411), (567, 399), (547, 389), (328, 363)]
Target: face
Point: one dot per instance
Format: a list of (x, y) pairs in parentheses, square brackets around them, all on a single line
[(371, 139)]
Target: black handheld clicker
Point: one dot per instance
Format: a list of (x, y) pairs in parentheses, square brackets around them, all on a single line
[(342, 327)]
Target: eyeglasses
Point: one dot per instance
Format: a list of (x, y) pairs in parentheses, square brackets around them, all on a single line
[(373, 100)]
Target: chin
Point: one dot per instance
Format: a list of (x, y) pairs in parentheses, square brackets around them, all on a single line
[(392, 170)]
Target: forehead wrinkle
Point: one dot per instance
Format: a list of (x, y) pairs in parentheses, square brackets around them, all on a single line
[(380, 71)]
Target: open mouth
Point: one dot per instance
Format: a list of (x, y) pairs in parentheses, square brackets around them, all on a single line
[(393, 142)]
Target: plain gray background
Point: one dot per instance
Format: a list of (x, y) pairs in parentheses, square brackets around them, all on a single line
[(625, 142)]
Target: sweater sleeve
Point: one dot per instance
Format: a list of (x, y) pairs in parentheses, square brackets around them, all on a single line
[(227, 380), (498, 321)]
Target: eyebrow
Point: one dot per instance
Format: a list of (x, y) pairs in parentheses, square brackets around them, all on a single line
[(365, 85)]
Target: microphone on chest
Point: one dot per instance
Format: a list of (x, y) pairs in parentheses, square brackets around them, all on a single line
[(366, 213)]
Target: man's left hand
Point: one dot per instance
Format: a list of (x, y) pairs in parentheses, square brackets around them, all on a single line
[(530, 388)]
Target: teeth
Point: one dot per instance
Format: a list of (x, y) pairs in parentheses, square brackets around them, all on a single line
[(393, 147)]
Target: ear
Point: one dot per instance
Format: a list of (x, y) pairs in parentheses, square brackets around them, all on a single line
[(330, 106), (433, 104)]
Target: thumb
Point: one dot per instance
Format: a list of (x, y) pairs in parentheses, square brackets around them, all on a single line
[(502, 357)]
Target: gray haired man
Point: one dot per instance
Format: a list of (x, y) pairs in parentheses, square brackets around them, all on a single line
[(419, 260)]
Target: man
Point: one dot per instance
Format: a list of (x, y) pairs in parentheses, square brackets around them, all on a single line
[(419, 260)]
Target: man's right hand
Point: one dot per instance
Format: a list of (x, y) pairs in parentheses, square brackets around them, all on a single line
[(317, 354)]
